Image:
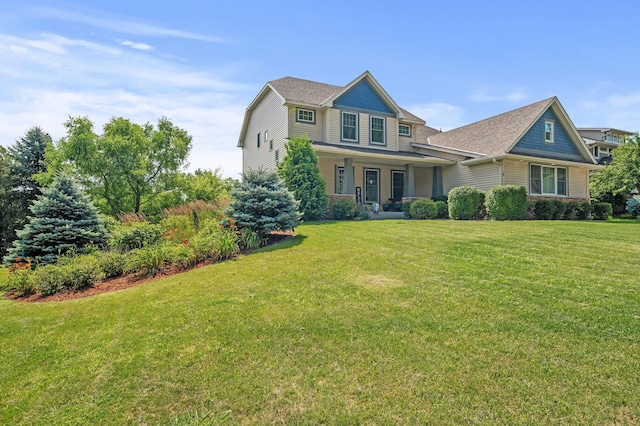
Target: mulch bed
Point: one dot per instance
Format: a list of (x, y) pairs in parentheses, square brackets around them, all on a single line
[(122, 282)]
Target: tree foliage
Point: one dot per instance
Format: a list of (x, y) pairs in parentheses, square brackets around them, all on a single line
[(127, 166), (63, 220), (262, 204), (18, 188), (622, 175), (299, 171)]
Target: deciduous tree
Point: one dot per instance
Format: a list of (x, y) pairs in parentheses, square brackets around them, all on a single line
[(623, 174)]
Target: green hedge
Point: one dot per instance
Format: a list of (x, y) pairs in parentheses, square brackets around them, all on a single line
[(465, 203), (345, 209), (602, 211), (507, 202), (423, 209)]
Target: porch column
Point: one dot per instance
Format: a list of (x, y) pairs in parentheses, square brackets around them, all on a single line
[(409, 184), (348, 181)]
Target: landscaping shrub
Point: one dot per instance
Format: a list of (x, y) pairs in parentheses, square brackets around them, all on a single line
[(181, 256), (570, 210), (443, 198), (406, 209), (248, 240), (178, 228), (443, 209), (423, 209), (135, 235), (507, 202), (582, 211), (70, 273), (465, 203), (561, 208), (544, 209), (21, 280), (111, 263), (602, 211), (148, 261), (633, 205), (345, 209)]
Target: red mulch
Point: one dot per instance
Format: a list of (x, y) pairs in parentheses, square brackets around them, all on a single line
[(122, 282)]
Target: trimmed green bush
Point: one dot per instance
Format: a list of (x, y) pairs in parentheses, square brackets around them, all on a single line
[(345, 209), (561, 208), (406, 209), (570, 210), (135, 236), (111, 263), (602, 211), (582, 211), (544, 209), (633, 205), (21, 280), (423, 209), (70, 273), (465, 203), (507, 202), (443, 209)]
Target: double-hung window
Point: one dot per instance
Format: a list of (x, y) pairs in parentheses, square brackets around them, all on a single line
[(376, 133), (349, 127), (548, 180)]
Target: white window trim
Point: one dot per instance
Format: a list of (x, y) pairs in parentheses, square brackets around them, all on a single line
[(342, 126), (551, 123), (302, 120), (384, 131), (555, 175), (408, 135)]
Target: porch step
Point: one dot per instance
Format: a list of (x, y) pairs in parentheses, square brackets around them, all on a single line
[(387, 215)]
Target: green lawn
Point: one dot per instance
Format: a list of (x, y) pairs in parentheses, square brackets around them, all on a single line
[(372, 322)]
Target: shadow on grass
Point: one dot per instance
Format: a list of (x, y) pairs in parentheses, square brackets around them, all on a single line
[(284, 244)]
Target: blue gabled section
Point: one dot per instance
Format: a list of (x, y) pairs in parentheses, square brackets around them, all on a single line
[(533, 143), (363, 97)]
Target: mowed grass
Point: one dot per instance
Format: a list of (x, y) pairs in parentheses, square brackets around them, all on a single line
[(373, 322)]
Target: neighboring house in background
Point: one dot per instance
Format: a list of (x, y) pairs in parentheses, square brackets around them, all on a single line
[(601, 141), (369, 147)]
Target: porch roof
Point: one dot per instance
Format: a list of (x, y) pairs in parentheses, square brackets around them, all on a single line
[(376, 155)]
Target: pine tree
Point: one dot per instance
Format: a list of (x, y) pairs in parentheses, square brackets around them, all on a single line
[(299, 171), (262, 204), (63, 220)]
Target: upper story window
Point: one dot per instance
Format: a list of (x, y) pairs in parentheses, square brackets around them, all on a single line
[(548, 131), (377, 134), (349, 127), (548, 180), (306, 115), (404, 130)]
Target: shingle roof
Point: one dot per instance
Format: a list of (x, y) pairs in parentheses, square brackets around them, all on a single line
[(311, 92), (423, 133), (492, 136), (306, 91)]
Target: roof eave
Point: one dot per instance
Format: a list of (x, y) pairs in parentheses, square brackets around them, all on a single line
[(256, 100), (541, 160)]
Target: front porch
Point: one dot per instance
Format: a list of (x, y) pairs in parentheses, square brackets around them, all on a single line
[(375, 176)]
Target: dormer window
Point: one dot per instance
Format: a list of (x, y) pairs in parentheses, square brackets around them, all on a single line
[(404, 130), (306, 115), (548, 131)]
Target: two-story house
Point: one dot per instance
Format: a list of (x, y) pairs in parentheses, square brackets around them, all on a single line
[(371, 148), (601, 141)]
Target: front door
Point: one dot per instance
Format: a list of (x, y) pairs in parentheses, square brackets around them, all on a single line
[(371, 186), (397, 185)]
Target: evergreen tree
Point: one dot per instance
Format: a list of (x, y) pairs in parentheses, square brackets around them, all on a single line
[(262, 204), (23, 160), (299, 171), (64, 219)]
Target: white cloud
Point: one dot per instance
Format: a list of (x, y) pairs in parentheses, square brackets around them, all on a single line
[(101, 20), (78, 77), (138, 46), (440, 115)]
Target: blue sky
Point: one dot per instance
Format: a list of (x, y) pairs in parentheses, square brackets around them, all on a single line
[(201, 63)]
